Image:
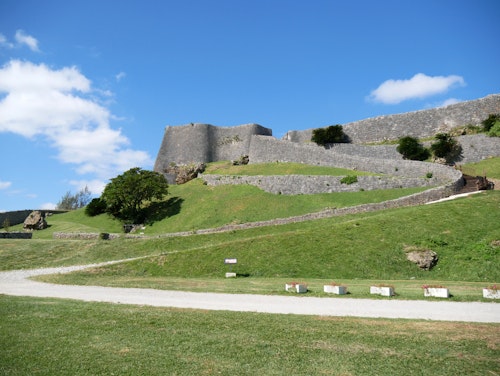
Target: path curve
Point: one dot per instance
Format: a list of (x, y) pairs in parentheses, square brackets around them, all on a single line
[(17, 283)]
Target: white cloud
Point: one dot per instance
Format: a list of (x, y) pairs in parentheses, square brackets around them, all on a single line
[(449, 102), (5, 184), (4, 42), (419, 86), (120, 76), (61, 106), (94, 186), (23, 38), (48, 206)]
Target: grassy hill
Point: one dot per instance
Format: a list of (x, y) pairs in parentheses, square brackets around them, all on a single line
[(364, 247)]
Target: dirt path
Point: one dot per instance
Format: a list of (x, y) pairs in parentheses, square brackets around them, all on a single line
[(17, 283)]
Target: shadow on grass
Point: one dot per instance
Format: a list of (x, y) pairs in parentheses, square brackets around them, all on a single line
[(161, 210)]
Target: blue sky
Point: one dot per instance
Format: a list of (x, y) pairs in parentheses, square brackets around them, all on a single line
[(87, 87)]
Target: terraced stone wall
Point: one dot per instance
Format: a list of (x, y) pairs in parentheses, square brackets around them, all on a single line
[(203, 143), (419, 124)]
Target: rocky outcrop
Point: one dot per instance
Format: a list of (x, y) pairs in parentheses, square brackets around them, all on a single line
[(425, 259), (35, 221)]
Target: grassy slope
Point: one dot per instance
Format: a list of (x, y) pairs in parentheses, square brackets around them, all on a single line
[(489, 167), (195, 206), (63, 337)]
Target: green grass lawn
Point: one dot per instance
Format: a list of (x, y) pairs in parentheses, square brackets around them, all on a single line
[(278, 168), (63, 337), (489, 167)]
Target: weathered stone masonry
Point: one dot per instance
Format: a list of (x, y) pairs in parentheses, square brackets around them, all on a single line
[(419, 124), (195, 143)]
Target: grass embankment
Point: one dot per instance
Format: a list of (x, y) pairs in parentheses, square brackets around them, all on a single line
[(58, 337), (489, 167), (357, 250), (195, 206)]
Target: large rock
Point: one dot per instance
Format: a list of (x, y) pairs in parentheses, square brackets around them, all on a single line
[(35, 221), (425, 259)]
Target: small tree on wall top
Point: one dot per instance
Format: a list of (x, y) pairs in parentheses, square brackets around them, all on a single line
[(446, 147), (410, 148), (127, 194), (329, 135)]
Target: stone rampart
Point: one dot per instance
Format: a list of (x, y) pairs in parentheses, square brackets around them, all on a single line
[(419, 124), (474, 149), (16, 235), (312, 184), (84, 235), (203, 143), (266, 149)]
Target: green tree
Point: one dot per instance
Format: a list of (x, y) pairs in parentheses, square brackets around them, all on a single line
[(95, 207), (410, 148), (446, 147), (329, 135), (126, 195), (74, 201)]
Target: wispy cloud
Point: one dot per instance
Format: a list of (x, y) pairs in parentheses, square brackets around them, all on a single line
[(120, 76), (24, 39), (5, 184), (419, 86), (4, 42), (60, 106), (48, 206), (21, 39)]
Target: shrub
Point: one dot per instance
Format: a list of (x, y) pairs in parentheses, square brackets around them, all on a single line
[(329, 135), (490, 122), (410, 148), (95, 207), (446, 147), (495, 130), (349, 179)]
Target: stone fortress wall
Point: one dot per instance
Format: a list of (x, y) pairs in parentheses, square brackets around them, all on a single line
[(207, 143), (419, 124), (202, 143)]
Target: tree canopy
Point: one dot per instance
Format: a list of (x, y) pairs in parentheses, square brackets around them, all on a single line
[(410, 148), (127, 194), (74, 201), (329, 135)]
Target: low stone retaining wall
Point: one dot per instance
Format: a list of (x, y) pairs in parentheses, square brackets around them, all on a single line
[(16, 235), (312, 184), (84, 235)]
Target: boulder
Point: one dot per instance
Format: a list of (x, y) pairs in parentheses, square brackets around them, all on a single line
[(35, 221), (425, 259), (484, 184)]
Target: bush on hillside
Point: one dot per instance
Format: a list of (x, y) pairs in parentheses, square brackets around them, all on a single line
[(95, 207), (410, 148), (329, 135)]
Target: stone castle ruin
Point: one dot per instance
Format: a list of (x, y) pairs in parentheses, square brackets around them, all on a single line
[(203, 143)]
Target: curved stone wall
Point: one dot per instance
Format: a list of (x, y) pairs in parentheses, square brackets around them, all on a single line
[(419, 124), (266, 149), (312, 184), (203, 143)]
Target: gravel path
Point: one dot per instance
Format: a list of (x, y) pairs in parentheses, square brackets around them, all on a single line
[(17, 283)]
